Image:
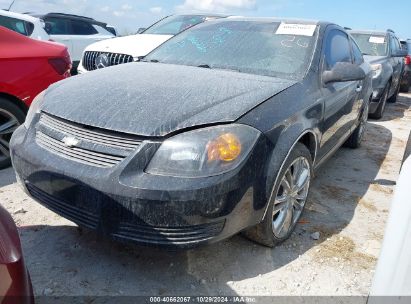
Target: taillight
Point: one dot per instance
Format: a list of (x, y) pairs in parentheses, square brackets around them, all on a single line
[(60, 65), (407, 60)]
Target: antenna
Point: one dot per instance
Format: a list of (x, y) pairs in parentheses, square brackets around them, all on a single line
[(11, 5)]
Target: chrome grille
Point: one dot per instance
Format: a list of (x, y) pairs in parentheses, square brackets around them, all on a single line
[(89, 59), (95, 147)]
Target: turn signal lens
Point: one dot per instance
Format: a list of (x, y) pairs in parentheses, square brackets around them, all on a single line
[(226, 147)]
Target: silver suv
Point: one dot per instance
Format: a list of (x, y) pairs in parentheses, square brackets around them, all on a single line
[(382, 50)]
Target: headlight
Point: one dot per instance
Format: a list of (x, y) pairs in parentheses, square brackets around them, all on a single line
[(376, 70), (34, 109), (204, 152)]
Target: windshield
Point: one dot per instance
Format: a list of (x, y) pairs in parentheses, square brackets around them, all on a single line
[(175, 24), (374, 45), (245, 46)]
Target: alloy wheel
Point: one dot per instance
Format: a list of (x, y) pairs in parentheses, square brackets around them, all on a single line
[(291, 197), (8, 124)]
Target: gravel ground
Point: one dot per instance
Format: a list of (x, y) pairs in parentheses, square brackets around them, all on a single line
[(348, 206)]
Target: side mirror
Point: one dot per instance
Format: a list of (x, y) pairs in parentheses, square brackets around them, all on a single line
[(342, 72), (400, 53), (140, 30)]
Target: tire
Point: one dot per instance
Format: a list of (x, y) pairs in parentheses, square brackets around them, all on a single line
[(287, 205), (11, 117), (393, 98), (381, 106), (404, 89), (354, 141)]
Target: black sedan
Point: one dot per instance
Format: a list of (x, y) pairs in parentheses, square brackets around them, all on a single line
[(217, 131)]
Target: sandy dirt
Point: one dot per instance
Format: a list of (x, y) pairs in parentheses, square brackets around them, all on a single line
[(348, 206)]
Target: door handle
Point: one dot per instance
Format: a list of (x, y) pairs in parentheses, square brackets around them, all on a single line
[(359, 88)]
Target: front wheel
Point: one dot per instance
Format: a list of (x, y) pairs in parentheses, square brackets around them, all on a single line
[(288, 197)]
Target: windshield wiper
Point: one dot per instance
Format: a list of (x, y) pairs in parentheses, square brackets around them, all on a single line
[(151, 60), (206, 66)]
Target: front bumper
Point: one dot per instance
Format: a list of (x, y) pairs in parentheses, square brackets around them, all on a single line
[(127, 204)]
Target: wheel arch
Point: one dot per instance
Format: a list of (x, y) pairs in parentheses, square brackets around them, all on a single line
[(15, 100), (307, 137)]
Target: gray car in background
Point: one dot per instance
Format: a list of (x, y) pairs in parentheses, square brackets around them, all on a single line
[(382, 50)]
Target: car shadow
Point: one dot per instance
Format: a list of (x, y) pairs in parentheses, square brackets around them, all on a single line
[(80, 262)]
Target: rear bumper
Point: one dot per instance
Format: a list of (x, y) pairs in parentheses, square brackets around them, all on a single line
[(129, 205)]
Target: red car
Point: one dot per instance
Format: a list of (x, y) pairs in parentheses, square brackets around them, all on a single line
[(15, 284), (27, 67)]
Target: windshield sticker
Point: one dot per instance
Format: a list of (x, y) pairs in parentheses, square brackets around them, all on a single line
[(296, 29), (377, 40)]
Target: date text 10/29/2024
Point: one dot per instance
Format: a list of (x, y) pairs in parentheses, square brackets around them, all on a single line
[(200, 299)]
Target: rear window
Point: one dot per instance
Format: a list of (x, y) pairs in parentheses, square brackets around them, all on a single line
[(20, 26), (370, 44)]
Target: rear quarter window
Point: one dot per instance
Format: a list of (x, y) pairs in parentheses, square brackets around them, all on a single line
[(16, 25)]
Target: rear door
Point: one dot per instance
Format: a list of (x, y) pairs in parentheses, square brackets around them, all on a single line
[(340, 99)]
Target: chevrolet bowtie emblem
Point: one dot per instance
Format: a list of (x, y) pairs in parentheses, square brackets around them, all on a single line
[(70, 141)]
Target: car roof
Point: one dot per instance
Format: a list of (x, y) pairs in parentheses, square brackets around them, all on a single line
[(203, 14), (18, 16), (276, 19), (69, 16), (371, 32)]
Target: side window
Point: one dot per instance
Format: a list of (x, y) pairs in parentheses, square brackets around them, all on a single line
[(358, 59), (337, 49), (14, 24), (82, 28), (57, 26)]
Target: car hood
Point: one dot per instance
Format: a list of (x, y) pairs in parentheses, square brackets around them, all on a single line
[(374, 59), (154, 99), (134, 45)]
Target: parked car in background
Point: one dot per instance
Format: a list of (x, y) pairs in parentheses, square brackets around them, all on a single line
[(75, 32), (27, 67), (406, 78), (15, 283), (383, 51), (23, 24), (217, 131), (132, 48)]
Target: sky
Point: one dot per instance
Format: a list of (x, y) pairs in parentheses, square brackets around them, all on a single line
[(129, 15)]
